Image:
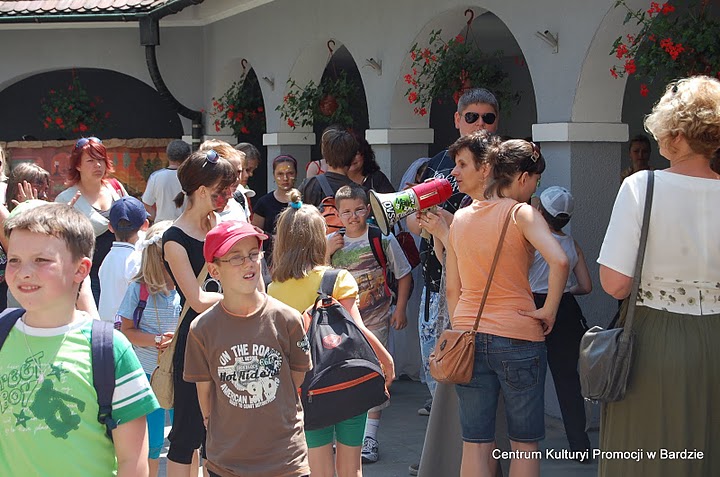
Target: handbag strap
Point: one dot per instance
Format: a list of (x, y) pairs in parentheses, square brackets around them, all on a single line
[(186, 307), (640, 255), (494, 264)]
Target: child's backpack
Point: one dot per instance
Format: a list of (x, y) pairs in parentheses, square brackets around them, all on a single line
[(391, 281), (327, 206), (346, 379), (103, 362), (142, 303)]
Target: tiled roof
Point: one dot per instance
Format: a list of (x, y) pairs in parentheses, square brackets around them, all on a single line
[(76, 7)]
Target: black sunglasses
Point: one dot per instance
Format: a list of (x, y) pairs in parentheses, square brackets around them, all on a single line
[(212, 157), (84, 140), (488, 118)]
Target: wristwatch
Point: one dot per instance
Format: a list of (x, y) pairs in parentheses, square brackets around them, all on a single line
[(158, 339)]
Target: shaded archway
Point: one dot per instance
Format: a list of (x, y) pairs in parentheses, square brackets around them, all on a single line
[(134, 108)]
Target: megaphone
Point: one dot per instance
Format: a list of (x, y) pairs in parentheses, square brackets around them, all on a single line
[(388, 209)]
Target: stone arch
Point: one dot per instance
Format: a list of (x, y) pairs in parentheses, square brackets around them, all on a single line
[(136, 108)]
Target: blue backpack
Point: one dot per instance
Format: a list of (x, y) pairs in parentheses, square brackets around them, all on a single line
[(103, 362), (346, 379)]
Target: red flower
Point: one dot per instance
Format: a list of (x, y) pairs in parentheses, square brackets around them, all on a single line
[(48, 119), (652, 38), (644, 90), (217, 125), (220, 108), (654, 8), (52, 91), (107, 115), (426, 53), (613, 72), (408, 79), (230, 114), (58, 121), (239, 116), (291, 123), (460, 39), (92, 105), (412, 97), (630, 67), (413, 55), (675, 51), (414, 71), (82, 127), (260, 109), (621, 51), (667, 9), (423, 111), (666, 43), (244, 130)]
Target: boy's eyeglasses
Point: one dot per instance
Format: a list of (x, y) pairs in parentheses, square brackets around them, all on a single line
[(239, 260), (356, 213), (488, 118), (212, 157), (84, 140)]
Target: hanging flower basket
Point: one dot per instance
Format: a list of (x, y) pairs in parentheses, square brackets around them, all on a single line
[(240, 108), (71, 109), (329, 102), (670, 44), (443, 70)]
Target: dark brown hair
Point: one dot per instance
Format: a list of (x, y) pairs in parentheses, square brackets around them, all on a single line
[(477, 143), (192, 175), (338, 148), (510, 158)]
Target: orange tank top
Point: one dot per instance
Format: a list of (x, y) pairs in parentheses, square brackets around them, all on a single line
[(474, 235)]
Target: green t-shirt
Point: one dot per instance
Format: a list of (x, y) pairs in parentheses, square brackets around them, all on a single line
[(48, 405)]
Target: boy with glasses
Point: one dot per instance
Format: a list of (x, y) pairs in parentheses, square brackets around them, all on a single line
[(248, 355), (353, 251)]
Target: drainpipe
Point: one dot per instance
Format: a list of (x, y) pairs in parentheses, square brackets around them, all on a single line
[(150, 39)]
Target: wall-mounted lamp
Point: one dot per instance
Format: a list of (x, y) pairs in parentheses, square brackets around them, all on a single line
[(549, 38), (376, 65), (270, 81)]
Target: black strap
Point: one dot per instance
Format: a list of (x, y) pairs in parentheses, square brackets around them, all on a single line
[(325, 185), (8, 318), (327, 285), (103, 367), (640, 255), (375, 239)]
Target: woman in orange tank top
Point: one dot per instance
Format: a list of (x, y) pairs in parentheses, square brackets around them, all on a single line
[(510, 352)]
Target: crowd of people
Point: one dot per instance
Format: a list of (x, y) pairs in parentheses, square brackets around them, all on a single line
[(222, 281)]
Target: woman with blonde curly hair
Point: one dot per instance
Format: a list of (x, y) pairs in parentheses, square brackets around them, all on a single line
[(674, 384)]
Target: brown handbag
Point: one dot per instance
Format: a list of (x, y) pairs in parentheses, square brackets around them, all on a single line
[(452, 360)]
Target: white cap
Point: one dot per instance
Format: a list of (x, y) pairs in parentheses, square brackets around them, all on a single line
[(557, 200)]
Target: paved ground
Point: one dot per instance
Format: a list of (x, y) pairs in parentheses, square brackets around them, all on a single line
[(402, 432)]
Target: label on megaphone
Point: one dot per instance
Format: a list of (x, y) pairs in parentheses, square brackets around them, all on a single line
[(390, 208)]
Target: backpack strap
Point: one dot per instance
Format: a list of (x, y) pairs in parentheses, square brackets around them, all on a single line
[(103, 368), (327, 285), (116, 185), (375, 239), (325, 185), (8, 318), (142, 303)]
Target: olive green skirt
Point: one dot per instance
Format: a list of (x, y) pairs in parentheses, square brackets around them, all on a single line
[(672, 402)]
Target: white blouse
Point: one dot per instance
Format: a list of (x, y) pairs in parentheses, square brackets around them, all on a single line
[(681, 271)]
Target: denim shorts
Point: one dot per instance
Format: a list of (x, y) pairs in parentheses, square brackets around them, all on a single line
[(515, 367)]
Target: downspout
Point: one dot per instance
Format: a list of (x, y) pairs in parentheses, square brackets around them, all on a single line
[(150, 39)]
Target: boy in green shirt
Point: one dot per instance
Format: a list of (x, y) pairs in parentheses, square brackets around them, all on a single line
[(48, 405)]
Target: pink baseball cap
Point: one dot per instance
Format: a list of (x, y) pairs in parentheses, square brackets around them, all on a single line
[(226, 234)]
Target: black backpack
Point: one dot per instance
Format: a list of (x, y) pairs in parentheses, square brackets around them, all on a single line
[(391, 281), (346, 379), (103, 362)]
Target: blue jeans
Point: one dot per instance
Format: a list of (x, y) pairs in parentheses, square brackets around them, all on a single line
[(156, 430), (515, 367)]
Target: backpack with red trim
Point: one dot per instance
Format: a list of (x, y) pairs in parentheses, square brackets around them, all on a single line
[(327, 206), (347, 378)]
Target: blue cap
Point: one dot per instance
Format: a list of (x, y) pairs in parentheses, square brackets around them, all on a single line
[(130, 209)]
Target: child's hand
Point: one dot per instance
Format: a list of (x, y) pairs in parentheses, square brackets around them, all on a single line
[(165, 341), (398, 319), (546, 317), (335, 243)]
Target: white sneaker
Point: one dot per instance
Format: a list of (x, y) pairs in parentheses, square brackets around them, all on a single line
[(370, 453)]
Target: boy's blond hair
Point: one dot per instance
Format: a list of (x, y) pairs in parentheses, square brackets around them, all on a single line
[(152, 269), (60, 221)]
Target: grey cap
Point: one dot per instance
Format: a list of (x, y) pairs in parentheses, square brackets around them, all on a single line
[(557, 200)]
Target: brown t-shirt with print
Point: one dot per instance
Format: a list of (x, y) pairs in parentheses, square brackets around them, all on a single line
[(255, 427)]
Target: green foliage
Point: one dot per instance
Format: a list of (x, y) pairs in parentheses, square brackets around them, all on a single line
[(670, 44), (72, 109), (444, 70), (330, 102), (240, 108)]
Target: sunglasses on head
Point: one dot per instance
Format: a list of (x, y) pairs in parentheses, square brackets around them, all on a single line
[(84, 140), (488, 118), (212, 157)]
